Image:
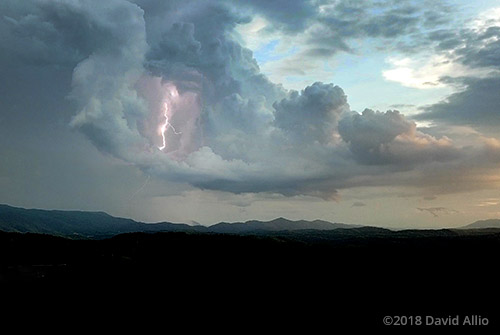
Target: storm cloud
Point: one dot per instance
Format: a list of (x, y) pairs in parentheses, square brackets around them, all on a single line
[(135, 66)]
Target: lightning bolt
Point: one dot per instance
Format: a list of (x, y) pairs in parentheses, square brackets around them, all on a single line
[(165, 127), (140, 188)]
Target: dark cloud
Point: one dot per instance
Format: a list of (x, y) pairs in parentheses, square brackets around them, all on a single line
[(288, 15), (478, 99), (389, 138), (62, 33), (312, 114), (195, 48), (483, 49), (478, 104), (355, 19), (342, 21), (473, 43), (471, 47)]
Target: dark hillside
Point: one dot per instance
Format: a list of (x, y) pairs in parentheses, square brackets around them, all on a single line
[(340, 275)]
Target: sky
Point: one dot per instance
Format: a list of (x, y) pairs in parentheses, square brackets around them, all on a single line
[(383, 113)]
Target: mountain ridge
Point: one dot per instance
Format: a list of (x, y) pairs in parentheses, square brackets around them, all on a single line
[(87, 224), (278, 224), (483, 224)]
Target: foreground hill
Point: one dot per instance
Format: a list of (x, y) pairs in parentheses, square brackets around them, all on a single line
[(101, 225), (360, 249), (309, 278)]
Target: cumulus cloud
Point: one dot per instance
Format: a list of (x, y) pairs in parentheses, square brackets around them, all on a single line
[(312, 115), (106, 44), (42, 33), (389, 138), (139, 65)]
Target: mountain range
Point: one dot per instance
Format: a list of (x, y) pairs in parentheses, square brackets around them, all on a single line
[(83, 224), (99, 224)]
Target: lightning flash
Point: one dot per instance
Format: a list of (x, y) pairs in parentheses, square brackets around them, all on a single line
[(165, 127)]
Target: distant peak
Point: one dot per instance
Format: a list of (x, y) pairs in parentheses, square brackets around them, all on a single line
[(281, 219), (489, 223)]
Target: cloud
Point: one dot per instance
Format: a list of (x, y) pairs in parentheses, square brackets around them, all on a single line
[(106, 59), (427, 73), (475, 50), (38, 39), (402, 106), (489, 202), (437, 211), (342, 21), (102, 85), (324, 29), (288, 15), (312, 115), (478, 104), (238, 131), (377, 138), (477, 45)]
